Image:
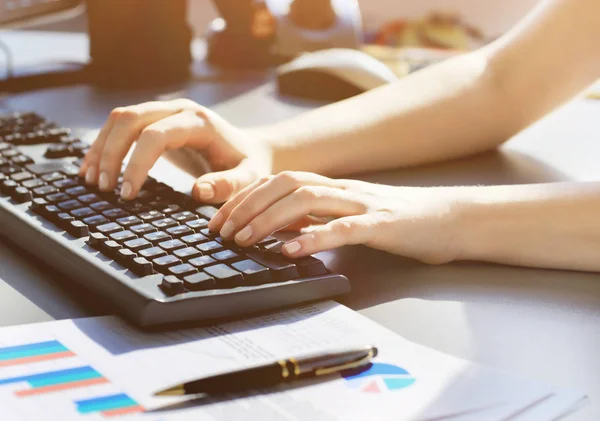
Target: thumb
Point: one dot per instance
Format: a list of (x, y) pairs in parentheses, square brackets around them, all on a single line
[(218, 187)]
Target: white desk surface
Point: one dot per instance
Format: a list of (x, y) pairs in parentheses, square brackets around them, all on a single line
[(541, 324)]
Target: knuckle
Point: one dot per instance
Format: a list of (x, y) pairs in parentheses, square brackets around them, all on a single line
[(125, 113), (289, 178), (344, 228), (264, 179), (153, 136), (308, 193)]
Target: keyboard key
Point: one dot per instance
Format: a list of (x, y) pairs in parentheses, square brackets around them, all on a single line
[(64, 184), (51, 212), (274, 247), (77, 229), (152, 253), (33, 183), (63, 219), (22, 195), (225, 256), (58, 197), (89, 198), (110, 248), (172, 285), (202, 261), (210, 247), (199, 282), (115, 213), (225, 276), (197, 224), (44, 190), (182, 270), (96, 240), (129, 220), (101, 206), (21, 176), (254, 274), (207, 212), (124, 256), (157, 237), (52, 177), (138, 244), (281, 268), (8, 187), (143, 229), (165, 223), (179, 231), (82, 213), (187, 253), (169, 208), (76, 191), (163, 263), (151, 216), (37, 205), (21, 160), (141, 266), (94, 221), (183, 216), (109, 228), (171, 245), (194, 239), (266, 241), (310, 266), (70, 205), (122, 236)]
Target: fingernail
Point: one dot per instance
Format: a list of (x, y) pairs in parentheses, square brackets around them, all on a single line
[(227, 229), (293, 247), (206, 191), (126, 190), (103, 181), (90, 175), (215, 221), (244, 234)]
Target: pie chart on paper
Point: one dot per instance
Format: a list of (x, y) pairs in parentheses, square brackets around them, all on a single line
[(379, 378)]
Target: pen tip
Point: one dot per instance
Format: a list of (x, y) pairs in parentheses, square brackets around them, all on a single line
[(173, 391)]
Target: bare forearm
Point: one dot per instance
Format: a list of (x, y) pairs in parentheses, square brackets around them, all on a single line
[(546, 225), (456, 108), (447, 111)]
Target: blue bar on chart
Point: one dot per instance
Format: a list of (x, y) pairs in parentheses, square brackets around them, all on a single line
[(32, 353), (55, 381), (109, 406)]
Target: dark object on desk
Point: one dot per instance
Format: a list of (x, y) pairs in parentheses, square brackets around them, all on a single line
[(244, 35), (332, 75), (269, 375), (152, 259), (138, 43), (133, 44)]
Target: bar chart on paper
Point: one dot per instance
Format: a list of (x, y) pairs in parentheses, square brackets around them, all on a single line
[(57, 385)]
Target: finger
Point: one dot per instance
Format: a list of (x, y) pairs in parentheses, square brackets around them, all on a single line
[(171, 132), (217, 187), (266, 195), (129, 122), (307, 200), (218, 219), (338, 233), (89, 167)]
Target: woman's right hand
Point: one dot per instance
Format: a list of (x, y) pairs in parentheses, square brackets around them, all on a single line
[(237, 158)]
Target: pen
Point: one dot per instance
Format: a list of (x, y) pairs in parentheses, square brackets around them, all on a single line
[(275, 373)]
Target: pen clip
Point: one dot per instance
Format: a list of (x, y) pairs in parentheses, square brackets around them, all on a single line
[(347, 366)]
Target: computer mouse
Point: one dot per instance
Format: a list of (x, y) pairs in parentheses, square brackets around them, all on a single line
[(332, 74)]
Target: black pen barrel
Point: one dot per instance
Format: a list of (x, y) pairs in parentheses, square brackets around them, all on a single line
[(239, 381)]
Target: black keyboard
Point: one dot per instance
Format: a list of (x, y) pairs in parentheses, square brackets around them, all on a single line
[(152, 258)]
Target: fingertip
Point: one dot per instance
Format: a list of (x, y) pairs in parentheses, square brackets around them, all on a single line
[(292, 248), (206, 191), (127, 191)]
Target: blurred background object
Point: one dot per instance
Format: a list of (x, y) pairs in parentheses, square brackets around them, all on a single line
[(35, 12)]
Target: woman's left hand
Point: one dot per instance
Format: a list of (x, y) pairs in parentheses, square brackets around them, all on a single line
[(420, 223)]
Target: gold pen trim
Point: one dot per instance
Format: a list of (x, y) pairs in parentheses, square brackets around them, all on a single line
[(173, 391), (296, 366), (285, 373), (347, 366)]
